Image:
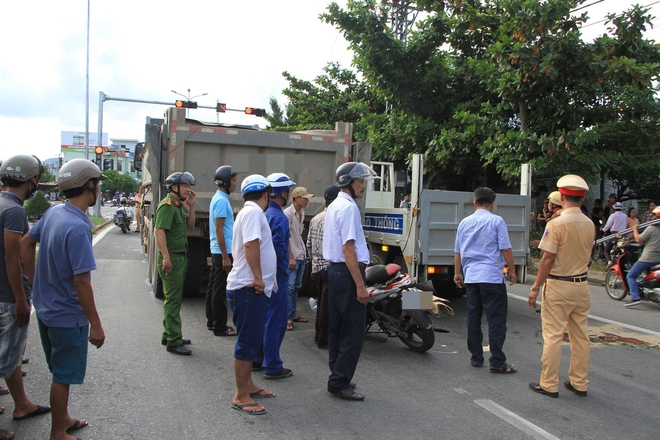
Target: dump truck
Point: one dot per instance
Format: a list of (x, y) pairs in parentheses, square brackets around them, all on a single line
[(310, 158), (421, 238)]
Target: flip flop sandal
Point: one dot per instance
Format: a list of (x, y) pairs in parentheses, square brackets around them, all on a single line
[(241, 408), (229, 331), (77, 424), (505, 369), (3, 435), (3, 391), (257, 394), (300, 319), (289, 325), (37, 412)]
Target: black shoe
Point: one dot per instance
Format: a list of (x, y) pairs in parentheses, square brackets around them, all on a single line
[(179, 349), (284, 372), (183, 342), (322, 345), (537, 389), (348, 394), (569, 386), (256, 366)]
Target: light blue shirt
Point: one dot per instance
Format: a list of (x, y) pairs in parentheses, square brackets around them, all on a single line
[(480, 240), (220, 208), (64, 235)]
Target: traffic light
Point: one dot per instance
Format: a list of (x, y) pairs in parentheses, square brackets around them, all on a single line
[(107, 164), (221, 107), (99, 155), (185, 104), (255, 111)]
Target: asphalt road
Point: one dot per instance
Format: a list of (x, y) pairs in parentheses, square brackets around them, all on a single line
[(134, 389)]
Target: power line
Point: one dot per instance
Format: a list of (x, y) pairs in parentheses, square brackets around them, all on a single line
[(586, 6), (607, 19)]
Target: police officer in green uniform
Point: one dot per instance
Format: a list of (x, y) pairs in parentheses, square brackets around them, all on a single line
[(174, 214)]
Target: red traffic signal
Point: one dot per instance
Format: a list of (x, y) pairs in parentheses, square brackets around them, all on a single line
[(221, 107), (255, 111), (185, 104), (98, 150)]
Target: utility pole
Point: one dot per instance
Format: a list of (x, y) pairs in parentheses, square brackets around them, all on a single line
[(402, 16)]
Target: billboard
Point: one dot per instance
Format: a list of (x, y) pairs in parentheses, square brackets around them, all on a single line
[(75, 140)]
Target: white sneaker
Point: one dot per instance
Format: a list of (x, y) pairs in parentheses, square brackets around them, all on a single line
[(632, 302)]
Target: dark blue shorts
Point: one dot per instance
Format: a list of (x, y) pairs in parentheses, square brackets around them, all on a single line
[(66, 352), (249, 316)]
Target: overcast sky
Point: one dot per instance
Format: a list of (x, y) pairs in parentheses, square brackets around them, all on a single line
[(142, 49)]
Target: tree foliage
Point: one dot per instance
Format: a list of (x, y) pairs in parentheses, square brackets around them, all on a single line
[(481, 87), (36, 205), (119, 183)]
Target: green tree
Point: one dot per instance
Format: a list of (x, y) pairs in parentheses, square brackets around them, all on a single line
[(119, 183), (47, 177), (37, 205), (483, 86)]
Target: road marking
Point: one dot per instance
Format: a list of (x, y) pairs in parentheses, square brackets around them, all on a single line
[(605, 320), (515, 420), (101, 234)]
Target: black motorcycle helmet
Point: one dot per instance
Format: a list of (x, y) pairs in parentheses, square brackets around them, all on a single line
[(223, 176), (179, 178)]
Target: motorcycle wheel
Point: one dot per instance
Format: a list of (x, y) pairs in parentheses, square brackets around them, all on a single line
[(123, 228), (614, 286), (419, 340)]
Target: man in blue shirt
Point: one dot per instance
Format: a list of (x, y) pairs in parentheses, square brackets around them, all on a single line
[(482, 240), (20, 176), (221, 225), (63, 295), (269, 358)]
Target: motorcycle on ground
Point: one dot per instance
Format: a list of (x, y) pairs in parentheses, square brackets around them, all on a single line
[(616, 283), (391, 293), (123, 217)]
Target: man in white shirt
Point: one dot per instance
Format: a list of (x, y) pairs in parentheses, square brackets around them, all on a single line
[(345, 247), (615, 223), (249, 286), (296, 215)]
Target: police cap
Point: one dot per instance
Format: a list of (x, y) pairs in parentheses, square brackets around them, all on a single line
[(572, 185)]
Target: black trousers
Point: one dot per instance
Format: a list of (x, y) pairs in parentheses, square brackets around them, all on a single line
[(322, 320), (347, 325), (216, 295)]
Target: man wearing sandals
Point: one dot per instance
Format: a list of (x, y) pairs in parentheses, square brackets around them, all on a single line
[(20, 175), (482, 240), (250, 285), (566, 246), (296, 215), (221, 224)]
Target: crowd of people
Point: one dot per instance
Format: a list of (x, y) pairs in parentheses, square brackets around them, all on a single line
[(257, 261)]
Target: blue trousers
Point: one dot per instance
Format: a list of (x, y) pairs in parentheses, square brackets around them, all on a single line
[(346, 330), (492, 300), (269, 355), (295, 283), (638, 268)]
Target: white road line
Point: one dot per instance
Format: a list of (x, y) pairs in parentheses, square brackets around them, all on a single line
[(605, 320), (515, 420), (101, 234)]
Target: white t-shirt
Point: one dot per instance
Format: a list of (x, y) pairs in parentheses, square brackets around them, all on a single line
[(251, 224), (343, 223)]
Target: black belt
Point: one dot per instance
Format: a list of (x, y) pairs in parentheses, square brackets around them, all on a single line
[(362, 265), (573, 279), (178, 253)]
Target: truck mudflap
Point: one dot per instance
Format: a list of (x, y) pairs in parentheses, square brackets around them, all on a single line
[(418, 318)]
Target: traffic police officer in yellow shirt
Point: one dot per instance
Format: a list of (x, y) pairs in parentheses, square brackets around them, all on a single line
[(566, 245), (174, 214)]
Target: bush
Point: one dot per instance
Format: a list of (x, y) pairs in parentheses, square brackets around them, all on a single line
[(36, 206)]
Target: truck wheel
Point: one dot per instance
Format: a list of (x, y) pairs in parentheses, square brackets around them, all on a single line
[(446, 289), (196, 264)]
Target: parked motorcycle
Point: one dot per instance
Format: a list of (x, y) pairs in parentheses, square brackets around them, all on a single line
[(387, 287), (616, 283), (123, 218)]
